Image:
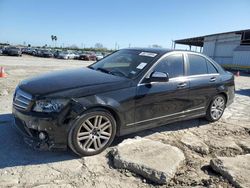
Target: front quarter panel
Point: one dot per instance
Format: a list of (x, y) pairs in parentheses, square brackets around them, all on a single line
[(119, 102)]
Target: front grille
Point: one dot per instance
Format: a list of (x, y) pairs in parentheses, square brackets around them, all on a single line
[(22, 100)]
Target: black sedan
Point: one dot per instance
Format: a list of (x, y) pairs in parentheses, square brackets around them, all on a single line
[(12, 51), (127, 91), (44, 53)]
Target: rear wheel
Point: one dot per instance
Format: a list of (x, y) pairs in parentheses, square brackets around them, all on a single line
[(216, 108), (92, 133)]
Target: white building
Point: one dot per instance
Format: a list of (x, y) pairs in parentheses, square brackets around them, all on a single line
[(230, 49)]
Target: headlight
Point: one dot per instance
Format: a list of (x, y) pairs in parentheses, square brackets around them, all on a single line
[(53, 105)]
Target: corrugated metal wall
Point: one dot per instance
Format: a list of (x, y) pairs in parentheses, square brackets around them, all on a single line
[(221, 47), (242, 59), (208, 48)]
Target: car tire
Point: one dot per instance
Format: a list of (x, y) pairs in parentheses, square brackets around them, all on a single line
[(216, 108), (92, 132)]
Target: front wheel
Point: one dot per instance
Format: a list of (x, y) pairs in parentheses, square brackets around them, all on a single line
[(216, 108), (92, 133)]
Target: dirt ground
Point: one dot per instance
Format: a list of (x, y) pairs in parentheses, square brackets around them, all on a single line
[(21, 166)]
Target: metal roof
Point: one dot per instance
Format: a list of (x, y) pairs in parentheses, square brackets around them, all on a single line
[(199, 41)]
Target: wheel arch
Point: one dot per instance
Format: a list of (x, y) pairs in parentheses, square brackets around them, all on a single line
[(224, 94), (71, 143)]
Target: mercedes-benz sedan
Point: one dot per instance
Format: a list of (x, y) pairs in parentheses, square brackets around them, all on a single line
[(125, 92)]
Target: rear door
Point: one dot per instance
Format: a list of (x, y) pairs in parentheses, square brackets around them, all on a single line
[(203, 78)]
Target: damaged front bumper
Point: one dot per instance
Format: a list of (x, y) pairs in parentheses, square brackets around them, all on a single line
[(42, 132)]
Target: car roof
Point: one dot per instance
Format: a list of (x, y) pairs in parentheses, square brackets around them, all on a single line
[(153, 50), (160, 51)]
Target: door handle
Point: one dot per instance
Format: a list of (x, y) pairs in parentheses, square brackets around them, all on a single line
[(181, 85), (213, 79)]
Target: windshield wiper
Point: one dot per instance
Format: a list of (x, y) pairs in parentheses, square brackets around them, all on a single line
[(111, 72), (103, 70), (91, 68)]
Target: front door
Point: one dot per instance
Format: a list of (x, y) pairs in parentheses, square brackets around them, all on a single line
[(158, 102)]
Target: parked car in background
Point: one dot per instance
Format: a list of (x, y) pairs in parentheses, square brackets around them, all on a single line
[(77, 54), (38, 52), (23, 50), (99, 55), (1, 51), (106, 54), (88, 56), (35, 51), (66, 55), (46, 53), (12, 51), (29, 51), (56, 53), (128, 91)]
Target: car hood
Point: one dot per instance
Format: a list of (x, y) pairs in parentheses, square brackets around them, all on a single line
[(71, 79)]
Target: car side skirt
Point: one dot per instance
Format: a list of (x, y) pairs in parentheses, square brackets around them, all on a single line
[(136, 128)]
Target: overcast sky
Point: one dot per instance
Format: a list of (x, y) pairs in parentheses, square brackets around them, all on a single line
[(139, 23)]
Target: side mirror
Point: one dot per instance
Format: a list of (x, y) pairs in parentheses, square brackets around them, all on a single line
[(158, 77)]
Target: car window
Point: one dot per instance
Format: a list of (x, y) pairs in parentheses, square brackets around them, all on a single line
[(210, 68), (173, 65), (197, 65), (126, 63)]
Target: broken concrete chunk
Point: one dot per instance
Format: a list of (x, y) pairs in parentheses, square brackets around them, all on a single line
[(224, 147), (153, 160), (235, 169), (245, 145), (194, 143)]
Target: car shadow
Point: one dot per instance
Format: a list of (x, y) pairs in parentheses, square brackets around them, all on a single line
[(164, 128), (15, 152), (245, 92)]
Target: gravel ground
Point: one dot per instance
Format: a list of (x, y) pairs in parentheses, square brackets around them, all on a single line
[(200, 141)]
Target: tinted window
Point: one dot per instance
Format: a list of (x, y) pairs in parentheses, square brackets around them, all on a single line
[(211, 69), (173, 65), (197, 65)]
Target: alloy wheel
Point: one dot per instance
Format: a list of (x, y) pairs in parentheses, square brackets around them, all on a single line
[(217, 107), (94, 133)]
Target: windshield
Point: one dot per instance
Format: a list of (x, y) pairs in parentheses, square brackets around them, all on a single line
[(125, 63)]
